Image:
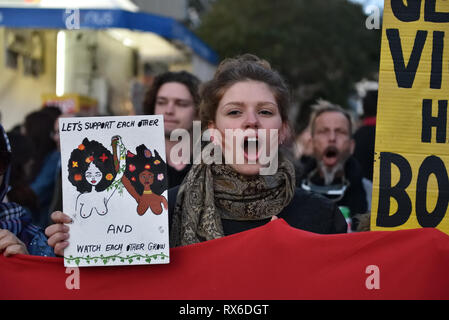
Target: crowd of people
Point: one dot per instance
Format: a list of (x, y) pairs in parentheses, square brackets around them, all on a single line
[(322, 185)]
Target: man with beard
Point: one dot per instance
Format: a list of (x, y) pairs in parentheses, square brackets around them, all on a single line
[(332, 171)]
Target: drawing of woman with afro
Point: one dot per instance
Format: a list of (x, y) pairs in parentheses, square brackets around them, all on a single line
[(92, 170), (145, 180)]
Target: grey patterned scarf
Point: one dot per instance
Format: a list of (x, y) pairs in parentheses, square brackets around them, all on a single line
[(210, 193)]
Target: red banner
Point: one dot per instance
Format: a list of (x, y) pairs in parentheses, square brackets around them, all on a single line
[(272, 262)]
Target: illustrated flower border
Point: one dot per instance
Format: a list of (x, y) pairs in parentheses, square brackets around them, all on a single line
[(107, 259)]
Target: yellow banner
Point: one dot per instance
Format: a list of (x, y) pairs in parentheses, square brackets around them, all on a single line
[(411, 184)]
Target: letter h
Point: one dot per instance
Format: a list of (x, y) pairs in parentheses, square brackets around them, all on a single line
[(440, 122)]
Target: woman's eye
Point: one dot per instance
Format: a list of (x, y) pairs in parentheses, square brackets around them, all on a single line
[(266, 112), (233, 112), (98, 174)]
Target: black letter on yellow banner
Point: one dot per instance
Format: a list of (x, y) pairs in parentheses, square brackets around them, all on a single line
[(405, 75), (432, 165), (386, 191), (439, 122)]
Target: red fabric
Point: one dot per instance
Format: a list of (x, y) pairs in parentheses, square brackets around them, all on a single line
[(370, 121), (272, 262)]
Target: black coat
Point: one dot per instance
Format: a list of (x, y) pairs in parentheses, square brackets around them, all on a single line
[(364, 149), (355, 196), (306, 211), (176, 177)]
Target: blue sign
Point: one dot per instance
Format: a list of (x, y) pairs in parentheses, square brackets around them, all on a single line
[(73, 19)]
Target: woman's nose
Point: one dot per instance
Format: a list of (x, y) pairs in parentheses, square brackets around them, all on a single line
[(251, 120)]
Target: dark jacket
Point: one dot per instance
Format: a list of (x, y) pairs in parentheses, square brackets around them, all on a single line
[(18, 221), (306, 211), (176, 177), (356, 196), (364, 149)]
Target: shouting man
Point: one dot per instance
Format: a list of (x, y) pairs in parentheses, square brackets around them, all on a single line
[(332, 171)]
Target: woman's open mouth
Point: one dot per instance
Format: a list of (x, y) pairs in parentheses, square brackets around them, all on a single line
[(251, 150)]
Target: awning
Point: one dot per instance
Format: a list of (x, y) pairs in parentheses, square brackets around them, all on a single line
[(65, 18)]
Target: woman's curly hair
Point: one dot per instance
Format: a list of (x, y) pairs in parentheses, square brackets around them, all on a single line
[(91, 152), (143, 160)]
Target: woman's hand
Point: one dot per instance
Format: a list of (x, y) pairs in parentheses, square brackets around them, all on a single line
[(10, 244), (58, 233)]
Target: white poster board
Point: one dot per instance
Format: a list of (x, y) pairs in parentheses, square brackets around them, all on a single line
[(114, 181)]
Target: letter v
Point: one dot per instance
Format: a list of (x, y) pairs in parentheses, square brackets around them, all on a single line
[(405, 75)]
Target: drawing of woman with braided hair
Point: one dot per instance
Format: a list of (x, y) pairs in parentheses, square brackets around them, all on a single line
[(92, 170)]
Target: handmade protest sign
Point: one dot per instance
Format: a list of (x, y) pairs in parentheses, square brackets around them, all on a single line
[(411, 184), (114, 183)]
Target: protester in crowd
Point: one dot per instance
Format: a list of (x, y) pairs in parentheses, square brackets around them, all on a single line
[(17, 234), (365, 136), (56, 199), (140, 86), (39, 127), (21, 160), (53, 111), (175, 95), (332, 171), (216, 199), (303, 137), (303, 142)]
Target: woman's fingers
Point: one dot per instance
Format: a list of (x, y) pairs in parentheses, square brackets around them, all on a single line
[(10, 244), (58, 233), (59, 248), (15, 249), (60, 217), (56, 228), (57, 238)]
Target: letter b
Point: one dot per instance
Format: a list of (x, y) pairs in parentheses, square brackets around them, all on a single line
[(386, 191)]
